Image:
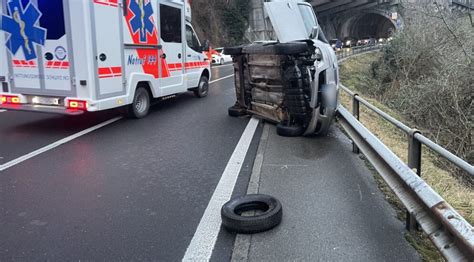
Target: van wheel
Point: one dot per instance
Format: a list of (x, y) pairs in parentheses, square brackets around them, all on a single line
[(233, 51), (141, 104), (289, 131), (235, 111), (203, 88), (268, 214), (222, 62)]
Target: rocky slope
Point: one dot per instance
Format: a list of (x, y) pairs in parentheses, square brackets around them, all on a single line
[(222, 22)]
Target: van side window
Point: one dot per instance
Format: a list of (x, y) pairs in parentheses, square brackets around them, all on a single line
[(192, 39), (170, 24)]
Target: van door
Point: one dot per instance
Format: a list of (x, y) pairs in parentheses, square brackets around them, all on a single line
[(171, 33), (39, 50), (108, 49), (287, 20)]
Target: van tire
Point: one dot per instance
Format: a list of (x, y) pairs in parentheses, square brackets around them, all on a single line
[(233, 51), (293, 48), (233, 221), (140, 105), (289, 131), (235, 111), (203, 88)]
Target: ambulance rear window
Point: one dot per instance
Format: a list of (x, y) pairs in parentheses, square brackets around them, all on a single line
[(170, 24), (52, 18)]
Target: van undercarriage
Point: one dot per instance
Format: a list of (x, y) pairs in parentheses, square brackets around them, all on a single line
[(280, 83)]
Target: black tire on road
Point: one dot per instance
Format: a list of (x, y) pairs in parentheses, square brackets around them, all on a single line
[(289, 131), (271, 216), (236, 111), (140, 105), (293, 48), (203, 88)]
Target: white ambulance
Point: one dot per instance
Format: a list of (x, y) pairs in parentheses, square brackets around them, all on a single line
[(76, 56)]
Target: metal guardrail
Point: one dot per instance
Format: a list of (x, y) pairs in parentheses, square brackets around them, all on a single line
[(446, 228), (348, 52), (469, 4)]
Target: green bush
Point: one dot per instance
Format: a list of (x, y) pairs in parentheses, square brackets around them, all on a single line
[(426, 73)]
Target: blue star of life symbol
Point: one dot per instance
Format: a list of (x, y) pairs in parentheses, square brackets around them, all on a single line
[(22, 28), (141, 21)]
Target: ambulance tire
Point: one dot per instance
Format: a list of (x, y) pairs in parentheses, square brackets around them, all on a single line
[(203, 89), (270, 216), (141, 104)]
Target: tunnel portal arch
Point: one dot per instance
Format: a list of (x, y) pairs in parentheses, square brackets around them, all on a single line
[(367, 24)]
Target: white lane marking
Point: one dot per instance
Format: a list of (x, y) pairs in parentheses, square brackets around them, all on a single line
[(219, 79), (231, 64), (205, 237), (67, 139), (56, 144)]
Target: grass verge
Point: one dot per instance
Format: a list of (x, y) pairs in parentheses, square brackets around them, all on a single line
[(356, 75)]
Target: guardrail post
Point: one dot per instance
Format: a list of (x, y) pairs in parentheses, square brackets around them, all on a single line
[(414, 162), (414, 152), (355, 113)]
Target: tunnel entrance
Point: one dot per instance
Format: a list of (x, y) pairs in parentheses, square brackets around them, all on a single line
[(369, 25)]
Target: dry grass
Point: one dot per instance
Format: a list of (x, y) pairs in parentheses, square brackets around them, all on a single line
[(355, 75)]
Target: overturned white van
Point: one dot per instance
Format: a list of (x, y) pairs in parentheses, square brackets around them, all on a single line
[(293, 81)]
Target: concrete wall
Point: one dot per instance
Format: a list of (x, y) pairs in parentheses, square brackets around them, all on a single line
[(259, 28)]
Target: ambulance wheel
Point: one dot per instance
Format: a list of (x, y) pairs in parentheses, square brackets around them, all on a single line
[(203, 89), (221, 62), (141, 104)]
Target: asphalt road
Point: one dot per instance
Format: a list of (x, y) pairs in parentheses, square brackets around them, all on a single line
[(137, 190), (332, 207), (132, 190)]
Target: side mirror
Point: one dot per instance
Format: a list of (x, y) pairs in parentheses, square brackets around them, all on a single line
[(314, 32), (205, 46)]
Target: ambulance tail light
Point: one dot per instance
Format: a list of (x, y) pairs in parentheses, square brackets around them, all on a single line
[(8, 99), (77, 105)]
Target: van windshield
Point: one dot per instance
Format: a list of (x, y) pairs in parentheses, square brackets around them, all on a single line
[(308, 16)]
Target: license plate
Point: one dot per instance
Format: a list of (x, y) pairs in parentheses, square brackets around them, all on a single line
[(45, 100)]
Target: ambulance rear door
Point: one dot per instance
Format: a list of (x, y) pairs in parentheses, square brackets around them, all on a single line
[(39, 55)]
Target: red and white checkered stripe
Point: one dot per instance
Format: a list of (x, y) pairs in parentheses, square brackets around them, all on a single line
[(57, 64), (113, 3), (24, 64)]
